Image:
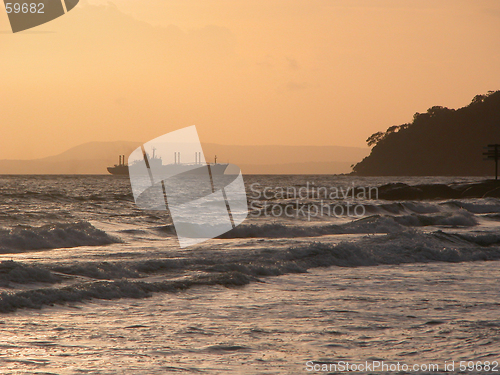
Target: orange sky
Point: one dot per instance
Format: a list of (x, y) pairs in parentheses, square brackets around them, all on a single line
[(308, 72)]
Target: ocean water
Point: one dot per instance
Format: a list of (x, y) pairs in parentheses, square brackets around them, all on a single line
[(91, 284)]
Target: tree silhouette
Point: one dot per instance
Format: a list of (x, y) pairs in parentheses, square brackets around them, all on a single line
[(441, 141)]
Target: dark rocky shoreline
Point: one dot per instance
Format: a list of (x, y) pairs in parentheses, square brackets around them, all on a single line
[(401, 191)]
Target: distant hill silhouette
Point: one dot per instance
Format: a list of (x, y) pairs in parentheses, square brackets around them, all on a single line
[(440, 142), (94, 157), (88, 158)]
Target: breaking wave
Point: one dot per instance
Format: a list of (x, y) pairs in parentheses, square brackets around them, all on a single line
[(25, 238), (370, 225), (233, 267), (38, 298)]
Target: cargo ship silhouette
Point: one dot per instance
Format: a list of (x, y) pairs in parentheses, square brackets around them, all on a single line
[(122, 169)]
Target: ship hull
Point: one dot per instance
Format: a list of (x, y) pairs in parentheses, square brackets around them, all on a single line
[(215, 169), (118, 170)]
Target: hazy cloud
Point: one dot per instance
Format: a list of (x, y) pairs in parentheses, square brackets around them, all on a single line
[(293, 86), (292, 63)]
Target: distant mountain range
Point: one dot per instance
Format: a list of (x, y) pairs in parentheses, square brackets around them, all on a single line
[(440, 142), (95, 157)]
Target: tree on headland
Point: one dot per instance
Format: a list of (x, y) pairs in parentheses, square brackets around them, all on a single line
[(379, 136), (440, 141)]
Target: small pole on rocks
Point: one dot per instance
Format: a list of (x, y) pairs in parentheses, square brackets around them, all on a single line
[(493, 153)]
